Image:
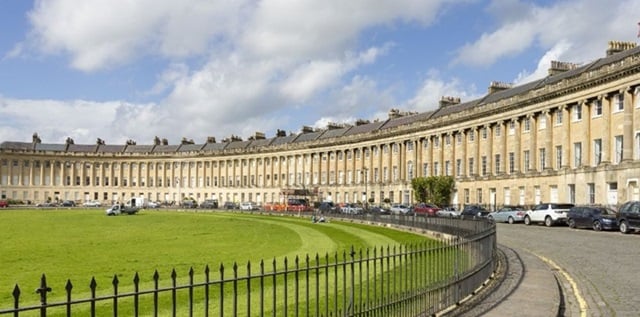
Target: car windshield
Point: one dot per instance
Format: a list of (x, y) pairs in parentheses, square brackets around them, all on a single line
[(607, 211)]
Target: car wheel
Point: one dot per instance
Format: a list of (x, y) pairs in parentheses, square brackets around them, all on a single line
[(571, 223), (510, 220), (548, 222), (624, 228), (597, 226), (527, 220)]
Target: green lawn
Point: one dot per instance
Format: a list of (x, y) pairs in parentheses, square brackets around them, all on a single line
[(81, 244)]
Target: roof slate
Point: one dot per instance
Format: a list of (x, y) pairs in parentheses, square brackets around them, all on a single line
[(211, 147), (190, 147), (139, 148), (82, 148), (23, 146), (51, 147)]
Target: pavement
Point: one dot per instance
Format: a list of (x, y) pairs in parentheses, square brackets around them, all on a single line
[(524, 285)]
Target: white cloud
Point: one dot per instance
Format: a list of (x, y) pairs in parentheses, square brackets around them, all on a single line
[(433, 88), (578, 23), (101, 34), (84, 121), (321, 29), (556, 53)]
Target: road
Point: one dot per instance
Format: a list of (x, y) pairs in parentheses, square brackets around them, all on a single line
[(604, 267)]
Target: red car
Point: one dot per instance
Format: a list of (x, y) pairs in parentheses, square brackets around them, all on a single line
[(424, 208), (4, 203)]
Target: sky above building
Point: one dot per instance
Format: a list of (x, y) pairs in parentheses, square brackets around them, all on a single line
[(132, 70)]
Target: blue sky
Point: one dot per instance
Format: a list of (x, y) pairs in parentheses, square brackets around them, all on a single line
[(120, 70)]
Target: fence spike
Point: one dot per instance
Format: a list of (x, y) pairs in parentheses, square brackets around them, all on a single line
[(68, 286), (16, 292), (115, 281), (174, 275), (93, 283)]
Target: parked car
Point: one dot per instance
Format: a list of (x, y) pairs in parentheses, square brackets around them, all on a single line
[(628, 217), (188, 203), (230, 205), (47, 204), (474, 212), (91, 203), (153, 204), (509, 214), (595, 217), (426, 209), (247, 205), (352, 209), (379, 210), (450, 212), (400, 209), (68, 203), (209, 204), (4, 203), (547, 213), (328, 207)]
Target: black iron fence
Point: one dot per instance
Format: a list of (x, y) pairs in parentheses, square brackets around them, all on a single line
[(412, 280)]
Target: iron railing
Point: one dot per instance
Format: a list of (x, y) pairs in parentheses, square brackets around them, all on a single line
[(413, 280)]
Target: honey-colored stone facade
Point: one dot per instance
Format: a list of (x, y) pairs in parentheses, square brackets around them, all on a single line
[(573, 136)]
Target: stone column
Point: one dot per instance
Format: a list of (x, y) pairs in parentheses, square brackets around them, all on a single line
[(566, 135), (533, 148), (606, 137), (548, 139), (504, 143), (517, 146), (627, 129)]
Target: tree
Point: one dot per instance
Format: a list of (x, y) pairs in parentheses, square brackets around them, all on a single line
[(433, 189)]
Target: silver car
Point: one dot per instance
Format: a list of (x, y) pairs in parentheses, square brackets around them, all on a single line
[(399, 209), (509, 214)]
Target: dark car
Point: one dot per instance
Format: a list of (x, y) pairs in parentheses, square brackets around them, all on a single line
[(68, 203), (426, 209), (209, 203), (474, 212), (328, 207), (628, 217), (379, 210), (598, 218), (230, 205), (188, 203)]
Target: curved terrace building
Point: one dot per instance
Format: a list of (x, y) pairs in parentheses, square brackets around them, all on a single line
[(573, 136)]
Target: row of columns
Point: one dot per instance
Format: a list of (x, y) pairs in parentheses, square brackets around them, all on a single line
[(312, 168)]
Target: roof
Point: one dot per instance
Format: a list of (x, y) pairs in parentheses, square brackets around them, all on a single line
[(22, 146), (139, 148), (600, 65), (166, 148), (334, 133), (51, 147), (365, 128), (106, 148), (190, 147), (82, 148), (211, 147)]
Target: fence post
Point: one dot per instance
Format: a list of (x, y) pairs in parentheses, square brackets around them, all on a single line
[(349, 308), (43, 290)]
